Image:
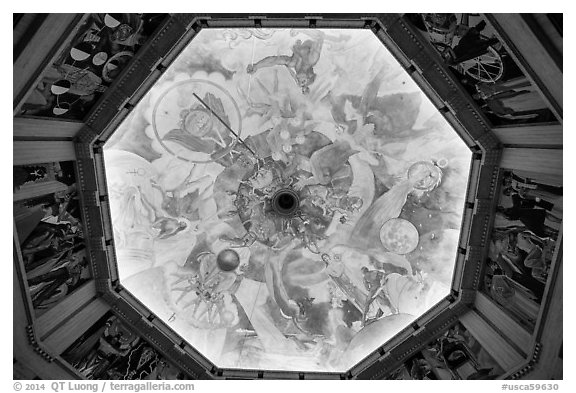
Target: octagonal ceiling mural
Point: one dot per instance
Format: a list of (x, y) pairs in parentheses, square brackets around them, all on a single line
[(286, 199)]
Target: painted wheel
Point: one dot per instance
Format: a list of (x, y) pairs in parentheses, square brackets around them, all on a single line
[(487, 68)]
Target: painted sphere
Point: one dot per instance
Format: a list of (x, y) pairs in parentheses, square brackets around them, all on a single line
[(425, 175), (399, 236), (228, 260)]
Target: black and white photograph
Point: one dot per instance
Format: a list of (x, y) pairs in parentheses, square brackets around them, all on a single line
[(288, 196)]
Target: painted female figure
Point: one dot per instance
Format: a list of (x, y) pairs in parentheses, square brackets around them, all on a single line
[(305, 55)]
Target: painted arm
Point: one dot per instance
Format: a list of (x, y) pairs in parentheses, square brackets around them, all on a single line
[(269, 61)]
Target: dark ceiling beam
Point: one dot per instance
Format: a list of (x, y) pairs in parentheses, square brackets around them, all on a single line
[(496, 345), (36, 152), (503, 322), (25, 26), (541, 135), (42, 129), (545, 162), (56, 317), (547, 34), (74, 327)]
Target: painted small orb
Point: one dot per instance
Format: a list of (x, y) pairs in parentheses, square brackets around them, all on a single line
[(442, 162), (227, 260), (100, 58), (399, 236)]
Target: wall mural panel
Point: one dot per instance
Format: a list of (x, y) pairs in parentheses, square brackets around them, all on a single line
[(524, 239), (49, 228), (455, 355), (111, 350), (286, 199), (103, 46), (475, 55)]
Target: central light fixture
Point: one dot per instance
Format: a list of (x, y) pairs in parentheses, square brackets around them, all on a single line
[(285, 202)]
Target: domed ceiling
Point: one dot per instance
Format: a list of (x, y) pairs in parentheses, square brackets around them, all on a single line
[(286, 199)]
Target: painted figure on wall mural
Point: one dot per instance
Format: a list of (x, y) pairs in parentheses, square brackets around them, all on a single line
[(480, 62), (524, 239), (280, 230), (111, 350), (453, 356), (103, 46), (514, 99), (48, 226), (70, 270)]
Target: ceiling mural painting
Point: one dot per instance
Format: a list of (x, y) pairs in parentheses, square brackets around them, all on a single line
[(286, 199)]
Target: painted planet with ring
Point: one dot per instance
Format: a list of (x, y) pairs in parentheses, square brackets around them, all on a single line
[(399, 236), (425, 175)]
